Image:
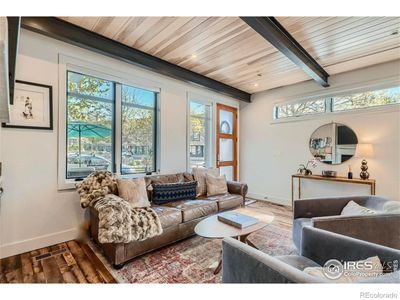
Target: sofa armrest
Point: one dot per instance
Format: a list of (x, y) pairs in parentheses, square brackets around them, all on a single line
[(244, 264), (235, 187), (383, 229), (321, 245), (115, 252), (309, 208)]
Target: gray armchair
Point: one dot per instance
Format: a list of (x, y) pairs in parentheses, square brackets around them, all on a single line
[(382, 228), (244, 264)]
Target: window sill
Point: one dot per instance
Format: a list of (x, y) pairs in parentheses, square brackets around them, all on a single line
[(69, 184)]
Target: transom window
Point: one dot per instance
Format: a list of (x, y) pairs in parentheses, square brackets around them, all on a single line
[(300, 109), (372, 98), (366, 99), (92, 122)]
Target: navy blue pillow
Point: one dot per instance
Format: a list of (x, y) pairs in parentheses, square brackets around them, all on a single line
[(168, 192)]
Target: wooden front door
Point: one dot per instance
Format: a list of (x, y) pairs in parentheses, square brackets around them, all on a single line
[(227, 141)]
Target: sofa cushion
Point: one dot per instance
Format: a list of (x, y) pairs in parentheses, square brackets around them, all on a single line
[(216, 185), (168, 216), (199, 175), (170, 178), (194, 209), (299, 262), (168, 192), (133, 191), (225, 201), (298, 225)]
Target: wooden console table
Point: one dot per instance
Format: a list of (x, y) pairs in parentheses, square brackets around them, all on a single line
[(370, 182)]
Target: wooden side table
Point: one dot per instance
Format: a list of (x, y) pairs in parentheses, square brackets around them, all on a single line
[(370, 182)]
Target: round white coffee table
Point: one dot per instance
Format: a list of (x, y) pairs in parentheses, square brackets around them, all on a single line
[(212, 228)]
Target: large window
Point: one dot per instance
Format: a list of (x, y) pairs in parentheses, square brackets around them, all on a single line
[(366, 99), (92, 122), (200, 137)]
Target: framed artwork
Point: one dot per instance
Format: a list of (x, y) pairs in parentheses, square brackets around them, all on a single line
[(32, 107)]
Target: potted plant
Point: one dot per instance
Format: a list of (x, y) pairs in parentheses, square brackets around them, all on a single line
[(304, 170)]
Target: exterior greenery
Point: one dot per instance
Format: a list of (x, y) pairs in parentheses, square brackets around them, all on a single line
[(92, 100), (360, 100)]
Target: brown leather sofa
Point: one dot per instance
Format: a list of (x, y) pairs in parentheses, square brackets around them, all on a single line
[(178, 218)]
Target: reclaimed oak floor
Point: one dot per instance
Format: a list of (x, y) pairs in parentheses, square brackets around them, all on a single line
[(73, 262), (69, 262)]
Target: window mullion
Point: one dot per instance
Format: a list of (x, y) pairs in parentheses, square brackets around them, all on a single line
[(118, 127), (328, 105)]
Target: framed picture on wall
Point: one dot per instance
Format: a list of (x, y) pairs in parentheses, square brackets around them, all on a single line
[(32, 107)]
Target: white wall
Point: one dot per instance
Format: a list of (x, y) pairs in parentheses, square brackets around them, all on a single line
[(271, 153), (34, 213)]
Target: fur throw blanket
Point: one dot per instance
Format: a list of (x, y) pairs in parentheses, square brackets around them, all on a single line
[(119, 222), (96, 186)]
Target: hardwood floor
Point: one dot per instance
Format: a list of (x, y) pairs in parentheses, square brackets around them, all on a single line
[(283, 214), (73, 262), (69, 262)]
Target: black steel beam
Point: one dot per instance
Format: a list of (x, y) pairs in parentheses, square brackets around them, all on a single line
[(271, 30), (69, 33), (13, 39)]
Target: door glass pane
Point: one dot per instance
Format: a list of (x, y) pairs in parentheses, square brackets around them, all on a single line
[(225, 122), (138, 130), (227, 171), (226, 150)]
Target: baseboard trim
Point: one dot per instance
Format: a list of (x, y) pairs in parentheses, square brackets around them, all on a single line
[(277, 200), (38, 242)]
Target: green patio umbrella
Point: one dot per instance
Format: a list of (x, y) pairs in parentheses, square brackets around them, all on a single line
[(77, 129)]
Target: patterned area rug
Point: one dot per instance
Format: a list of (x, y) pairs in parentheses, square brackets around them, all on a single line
[(193, 260)]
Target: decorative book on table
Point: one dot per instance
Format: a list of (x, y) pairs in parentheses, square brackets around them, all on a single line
[(238, 220)]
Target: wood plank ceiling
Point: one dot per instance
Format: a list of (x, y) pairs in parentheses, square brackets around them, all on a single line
[(228, 50)]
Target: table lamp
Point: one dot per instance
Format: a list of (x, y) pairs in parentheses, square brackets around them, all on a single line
[(364, 151)]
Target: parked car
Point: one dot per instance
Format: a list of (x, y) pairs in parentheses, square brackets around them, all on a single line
[(82, 166)]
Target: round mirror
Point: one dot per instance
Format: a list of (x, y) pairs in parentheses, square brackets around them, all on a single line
[(333, 143)]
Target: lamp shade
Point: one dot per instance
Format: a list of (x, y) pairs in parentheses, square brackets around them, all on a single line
[(364, 151)]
